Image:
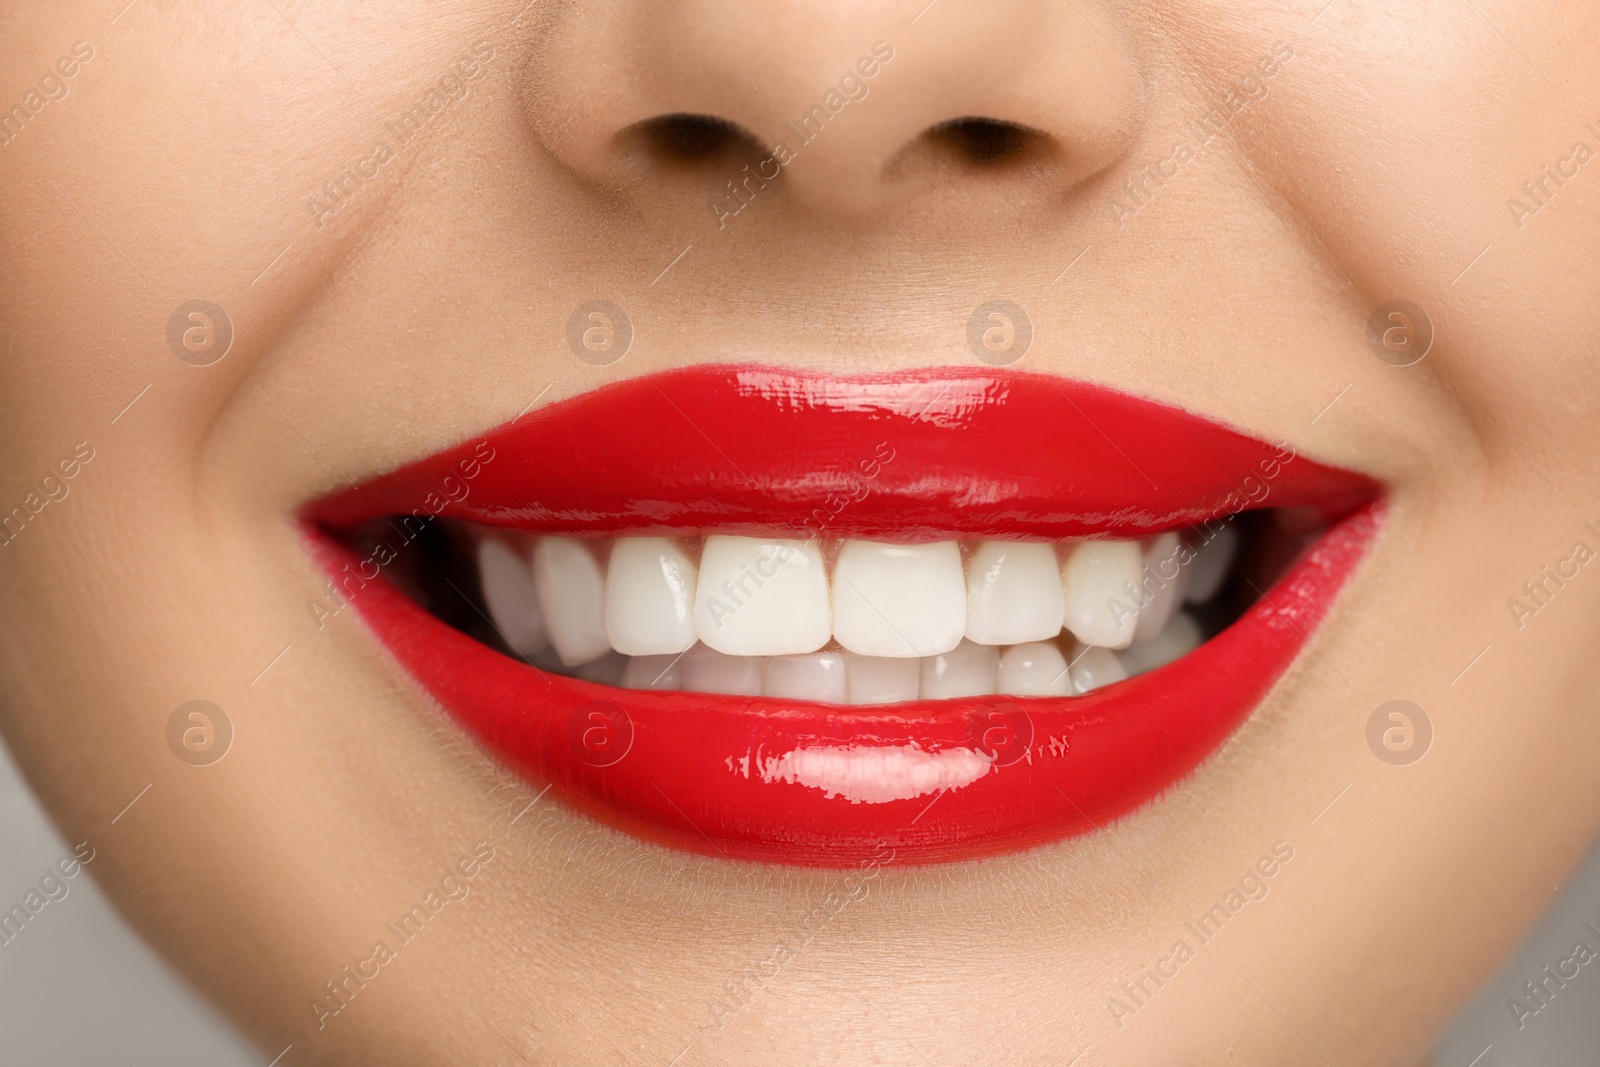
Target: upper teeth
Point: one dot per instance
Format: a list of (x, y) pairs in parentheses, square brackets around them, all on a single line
[(750, 615)]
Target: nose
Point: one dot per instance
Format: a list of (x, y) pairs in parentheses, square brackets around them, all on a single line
[(839, 108)]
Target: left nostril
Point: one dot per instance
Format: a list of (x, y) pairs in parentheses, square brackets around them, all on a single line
[(990, 143), (686, 140)]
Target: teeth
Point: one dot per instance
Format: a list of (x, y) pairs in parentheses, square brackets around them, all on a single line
[(653, 672), (1036, 669), (1210, 565), (705, 670), (1093, 667), (506, 577), (759, 597), (571, 589), (1164, 584), (650, 586), (819, 676), (899, 622), (1097, 579), (881, 679), (1180, 637), (1013, 593), (968, 670), (899, 600)]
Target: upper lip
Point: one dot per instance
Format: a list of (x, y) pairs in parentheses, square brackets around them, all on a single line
[(909, 456), (741, 450)]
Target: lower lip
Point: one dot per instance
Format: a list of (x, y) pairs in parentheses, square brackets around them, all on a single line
[(752, 778)]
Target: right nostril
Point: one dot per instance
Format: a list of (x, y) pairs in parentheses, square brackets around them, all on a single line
[(990, 143), (688, 140)]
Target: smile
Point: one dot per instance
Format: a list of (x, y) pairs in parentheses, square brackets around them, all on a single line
[(789, 617)]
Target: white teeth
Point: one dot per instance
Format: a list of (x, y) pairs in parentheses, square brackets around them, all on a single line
[(1180, 637), (899, 600), (880, 679), (705, 670), (1210, 565), (1093, 667), (650, 584), (1164, 582), (506, 577), (653, 672), (1013, 593), (818, 676), (759, 597), (1036, 669), (1097, 579), (571, 590), (968, 670), (753, 616)]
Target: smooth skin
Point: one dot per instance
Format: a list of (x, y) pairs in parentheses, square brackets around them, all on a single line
[(1377, 164)]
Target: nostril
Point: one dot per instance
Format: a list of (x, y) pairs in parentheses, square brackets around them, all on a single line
[(990, 144), (685, 140)]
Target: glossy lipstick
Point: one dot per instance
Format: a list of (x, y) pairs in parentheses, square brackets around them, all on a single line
[(931, 454)]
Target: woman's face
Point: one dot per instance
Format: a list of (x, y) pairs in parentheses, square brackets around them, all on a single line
[(393, 214)]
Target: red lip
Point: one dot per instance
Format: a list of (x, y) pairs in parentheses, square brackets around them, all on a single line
[(951, 453)]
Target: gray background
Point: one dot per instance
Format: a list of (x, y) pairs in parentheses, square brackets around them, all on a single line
[(79, 988)]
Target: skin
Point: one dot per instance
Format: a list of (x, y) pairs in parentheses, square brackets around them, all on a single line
[(432, 305)]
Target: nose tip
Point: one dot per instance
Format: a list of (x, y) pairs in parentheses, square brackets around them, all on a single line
[(836, 109)]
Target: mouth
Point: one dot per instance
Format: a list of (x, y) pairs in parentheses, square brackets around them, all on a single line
[(789, 617)]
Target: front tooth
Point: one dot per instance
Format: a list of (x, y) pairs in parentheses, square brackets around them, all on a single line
[(1180, 637), (818, 676), (968, 670), (506, 578), (705, 670), (1164, 582), (653, 672), (1013, 593), (880, 679), (1210, 565), (1096, 580), (1094, 667), (570, 584), (650, 585), (761, 597), (899, 600), (1035, 669)]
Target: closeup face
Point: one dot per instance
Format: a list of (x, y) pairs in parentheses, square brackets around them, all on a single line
[(808, 533)]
